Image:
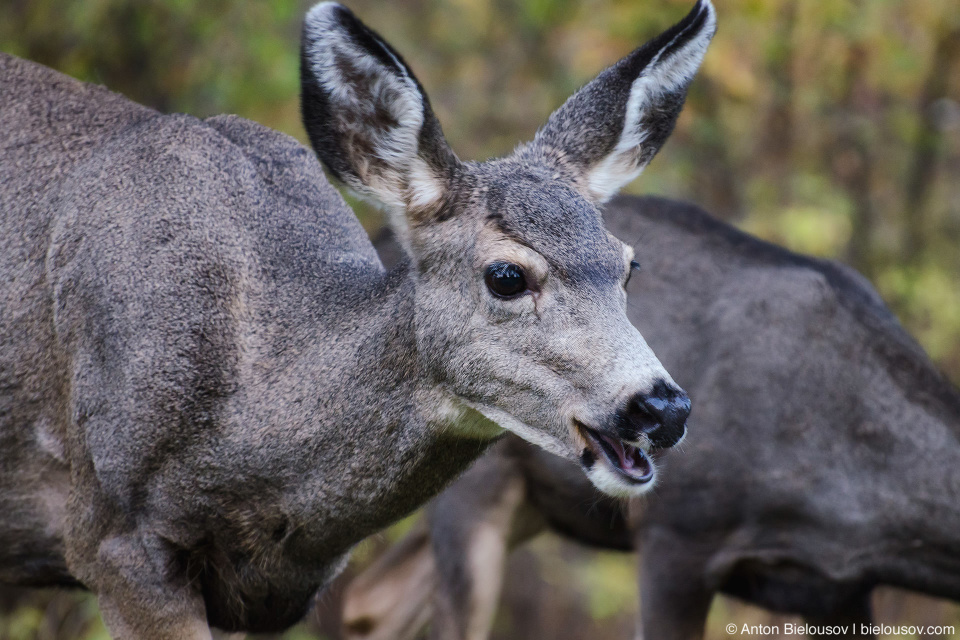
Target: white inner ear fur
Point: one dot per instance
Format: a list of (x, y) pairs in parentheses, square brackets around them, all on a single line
[(622, 165), (407, 181)]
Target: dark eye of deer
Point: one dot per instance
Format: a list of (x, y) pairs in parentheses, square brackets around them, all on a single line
[(505, 280)]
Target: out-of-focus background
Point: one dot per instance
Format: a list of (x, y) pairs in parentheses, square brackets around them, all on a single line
[(829, 126)]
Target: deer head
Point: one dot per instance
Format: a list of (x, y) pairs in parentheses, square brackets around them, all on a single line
[(520, 300)]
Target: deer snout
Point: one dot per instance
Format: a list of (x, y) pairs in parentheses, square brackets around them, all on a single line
[(660, 416)]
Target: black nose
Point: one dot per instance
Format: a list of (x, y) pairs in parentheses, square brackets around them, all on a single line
[(661, 415)]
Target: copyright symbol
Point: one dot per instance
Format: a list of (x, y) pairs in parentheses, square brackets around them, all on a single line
[(731, 628)]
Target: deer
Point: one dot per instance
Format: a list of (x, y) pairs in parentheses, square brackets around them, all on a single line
[(822, 460), (211, 388)]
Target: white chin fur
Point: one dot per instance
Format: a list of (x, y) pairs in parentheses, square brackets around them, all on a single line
[(608, 481)]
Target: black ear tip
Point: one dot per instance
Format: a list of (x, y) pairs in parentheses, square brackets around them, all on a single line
[(701, 21), (701, 14), (704, 11), (703, 5)]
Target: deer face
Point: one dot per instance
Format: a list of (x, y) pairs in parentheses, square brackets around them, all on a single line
[(520, 299)]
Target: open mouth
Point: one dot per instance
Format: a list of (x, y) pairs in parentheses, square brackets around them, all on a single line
[(631, 462)]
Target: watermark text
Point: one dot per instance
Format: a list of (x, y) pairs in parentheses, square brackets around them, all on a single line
[(859, 629)]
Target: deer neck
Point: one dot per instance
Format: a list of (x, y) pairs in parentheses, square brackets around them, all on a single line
[(380, 436)]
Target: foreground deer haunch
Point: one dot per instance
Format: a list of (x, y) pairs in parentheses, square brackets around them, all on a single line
[(823, 458), (210, 389)]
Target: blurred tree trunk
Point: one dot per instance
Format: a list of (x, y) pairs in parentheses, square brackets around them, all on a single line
[(716, 185), (851, 159), (928, 145), (778, 135)]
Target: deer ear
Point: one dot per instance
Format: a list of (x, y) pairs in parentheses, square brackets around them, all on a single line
[(609, 130), (367, 115)]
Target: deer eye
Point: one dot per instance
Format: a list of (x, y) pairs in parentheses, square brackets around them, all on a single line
[(505, 279)]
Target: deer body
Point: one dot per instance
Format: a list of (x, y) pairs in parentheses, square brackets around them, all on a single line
[(255, 327), (210, 385), (824, 463)]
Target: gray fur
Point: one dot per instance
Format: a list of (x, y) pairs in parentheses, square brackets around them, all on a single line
[(210, 388), (543, 364), (822, 459)]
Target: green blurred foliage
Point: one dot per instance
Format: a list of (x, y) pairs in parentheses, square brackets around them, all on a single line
[(832, 127)]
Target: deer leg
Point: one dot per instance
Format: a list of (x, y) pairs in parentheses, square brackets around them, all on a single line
[(674, 600), (855, 613), (138, 598), (474, 524), (390, 600), (473, 527)]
